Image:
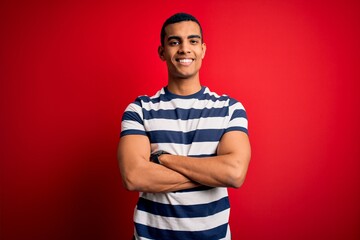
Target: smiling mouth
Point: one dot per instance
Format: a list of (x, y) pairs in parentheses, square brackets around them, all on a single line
[(185, 60)]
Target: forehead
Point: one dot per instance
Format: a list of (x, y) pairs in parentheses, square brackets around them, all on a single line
[(183, 29)]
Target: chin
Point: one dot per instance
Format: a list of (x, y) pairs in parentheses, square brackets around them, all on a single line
[(185, 76)]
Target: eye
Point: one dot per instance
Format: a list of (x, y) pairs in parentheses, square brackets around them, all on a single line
[(194, 41), (174, 43)]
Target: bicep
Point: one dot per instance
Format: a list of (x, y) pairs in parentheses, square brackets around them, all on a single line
[(235, 148), (132, 151), (235, 142)]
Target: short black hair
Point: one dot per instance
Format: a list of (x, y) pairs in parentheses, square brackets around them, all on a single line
[(178, 17)]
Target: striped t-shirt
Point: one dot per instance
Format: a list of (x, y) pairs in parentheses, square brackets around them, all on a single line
[(189, 126)]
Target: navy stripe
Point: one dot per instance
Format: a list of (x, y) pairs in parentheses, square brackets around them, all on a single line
[(232, 101), (196, 189), (203, 155), (132, 132), (213, 98), (238, 113), (138, 101), (183, 211), (147, 99), (155, 233), (242, 129), (168, 96), (186, 114), (132, 116), (201, 135), (171, 95)]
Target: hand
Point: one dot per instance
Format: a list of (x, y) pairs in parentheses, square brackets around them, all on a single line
[(154, 157)]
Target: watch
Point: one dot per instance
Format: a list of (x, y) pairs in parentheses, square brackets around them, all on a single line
[(154, 157)]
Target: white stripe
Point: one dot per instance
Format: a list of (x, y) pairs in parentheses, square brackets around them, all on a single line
[(236, 106), (187, 198), (131, 125), (207, 90), (182, 224), (142, 238), (132, 107), (186, 125), (196, 148), (185, 104), (238, 122)]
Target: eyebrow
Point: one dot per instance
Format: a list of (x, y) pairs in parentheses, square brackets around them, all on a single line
[(188, 37)]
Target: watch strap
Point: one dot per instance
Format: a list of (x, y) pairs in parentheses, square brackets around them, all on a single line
[(154, 157)]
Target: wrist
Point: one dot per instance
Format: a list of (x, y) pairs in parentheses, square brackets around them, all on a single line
[(155, 157)]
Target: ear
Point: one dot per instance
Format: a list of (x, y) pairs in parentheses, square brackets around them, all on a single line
[(204, 50), (161, 53)]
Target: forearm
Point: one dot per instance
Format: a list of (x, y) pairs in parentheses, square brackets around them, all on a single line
[(139, 174), (218, 171), (151, 177), (227, 169)]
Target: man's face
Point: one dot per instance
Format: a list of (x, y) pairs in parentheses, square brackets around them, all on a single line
[(183, 49)]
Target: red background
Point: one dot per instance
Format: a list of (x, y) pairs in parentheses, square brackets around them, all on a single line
[(69, 68)]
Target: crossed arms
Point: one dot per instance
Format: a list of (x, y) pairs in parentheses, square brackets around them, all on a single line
[(227, 169)]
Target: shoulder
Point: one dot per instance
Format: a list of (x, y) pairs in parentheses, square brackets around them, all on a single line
[(144, 99), (223, 98), (209, 93)]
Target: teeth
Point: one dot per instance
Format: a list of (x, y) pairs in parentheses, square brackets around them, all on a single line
[(185, 60)]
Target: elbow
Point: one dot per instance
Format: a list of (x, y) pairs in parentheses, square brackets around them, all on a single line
[(128, 186), (237, 176), (238, 173), (237, 181), (130, 182)]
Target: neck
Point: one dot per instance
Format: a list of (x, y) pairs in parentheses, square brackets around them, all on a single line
[(184, 87)]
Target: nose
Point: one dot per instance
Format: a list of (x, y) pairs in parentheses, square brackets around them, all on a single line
[(184, 48)]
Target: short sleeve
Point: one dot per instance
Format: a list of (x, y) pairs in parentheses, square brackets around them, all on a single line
[(238, 118), (132, 120)]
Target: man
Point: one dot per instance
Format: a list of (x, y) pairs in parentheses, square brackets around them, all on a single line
[(183, 147)]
